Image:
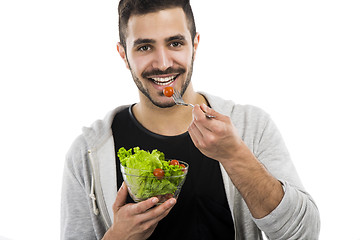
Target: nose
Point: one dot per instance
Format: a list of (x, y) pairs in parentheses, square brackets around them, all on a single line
[(163, 59)]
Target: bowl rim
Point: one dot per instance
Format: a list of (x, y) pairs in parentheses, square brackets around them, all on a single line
[(180, 162)]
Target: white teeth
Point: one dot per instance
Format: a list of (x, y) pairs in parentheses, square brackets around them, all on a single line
[(164, 81), (163, 84)]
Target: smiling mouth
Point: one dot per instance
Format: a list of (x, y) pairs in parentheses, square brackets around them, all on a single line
[(162, 81)]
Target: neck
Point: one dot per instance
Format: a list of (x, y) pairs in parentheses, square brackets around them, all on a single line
[(167, 121)]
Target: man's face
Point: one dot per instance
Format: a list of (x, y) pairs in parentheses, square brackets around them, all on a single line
[(160, 53)]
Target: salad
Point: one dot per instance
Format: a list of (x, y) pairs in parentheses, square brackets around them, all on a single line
[(149, 174)]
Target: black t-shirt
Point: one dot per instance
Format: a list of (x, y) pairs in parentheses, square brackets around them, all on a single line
[(202, 210)]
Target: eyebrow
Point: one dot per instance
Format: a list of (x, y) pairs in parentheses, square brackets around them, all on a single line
[(176, 37), (140, 41)]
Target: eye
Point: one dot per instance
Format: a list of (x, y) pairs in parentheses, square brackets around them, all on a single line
[(176, 44), (144, 48)]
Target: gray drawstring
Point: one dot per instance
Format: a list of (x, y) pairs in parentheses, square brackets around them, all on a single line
[(97, 203), (93, 197)]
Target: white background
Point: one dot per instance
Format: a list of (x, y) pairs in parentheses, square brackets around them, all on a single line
[(59, 71)]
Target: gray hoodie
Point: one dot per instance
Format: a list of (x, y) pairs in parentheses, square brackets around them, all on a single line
[(90, 187)]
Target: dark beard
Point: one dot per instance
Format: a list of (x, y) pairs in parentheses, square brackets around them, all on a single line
[(142, 89)]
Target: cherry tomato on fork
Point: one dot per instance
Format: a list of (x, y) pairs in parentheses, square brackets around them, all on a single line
[(168, 91)]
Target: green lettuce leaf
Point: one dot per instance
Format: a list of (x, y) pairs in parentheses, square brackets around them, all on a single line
[(143, 184)]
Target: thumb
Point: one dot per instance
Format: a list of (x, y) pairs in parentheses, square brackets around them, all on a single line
[(120, 197), (209, 110)]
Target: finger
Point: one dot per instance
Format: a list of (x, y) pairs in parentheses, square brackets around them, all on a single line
[(143, 206), (161, 211), (206, 109), (198, 113), (201, 121), (120, 197), (195, 134)]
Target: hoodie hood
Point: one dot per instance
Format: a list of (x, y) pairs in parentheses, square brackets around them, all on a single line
[(100, 130)]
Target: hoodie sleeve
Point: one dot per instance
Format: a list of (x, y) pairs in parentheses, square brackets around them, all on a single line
[(77, 219), (297, 216)]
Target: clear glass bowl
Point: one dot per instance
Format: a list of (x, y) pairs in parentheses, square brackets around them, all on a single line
[(142, 184)]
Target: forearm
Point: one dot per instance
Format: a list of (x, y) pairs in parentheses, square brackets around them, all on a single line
[(260, 190), (281, 214)]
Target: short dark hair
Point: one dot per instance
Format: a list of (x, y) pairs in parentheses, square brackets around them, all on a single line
[(127, 8)]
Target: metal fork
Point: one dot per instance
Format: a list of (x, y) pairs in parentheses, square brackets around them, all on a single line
[(180, 101)]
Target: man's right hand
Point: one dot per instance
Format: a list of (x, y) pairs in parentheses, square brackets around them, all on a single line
[(136, 220)]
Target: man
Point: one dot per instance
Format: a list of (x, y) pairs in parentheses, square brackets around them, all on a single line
[(241, 180)]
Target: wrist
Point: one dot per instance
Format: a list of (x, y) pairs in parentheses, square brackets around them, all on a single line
[(109, 235), (240, 156)]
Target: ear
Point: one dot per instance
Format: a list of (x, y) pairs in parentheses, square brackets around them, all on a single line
[(122, 53), (196, 43)]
